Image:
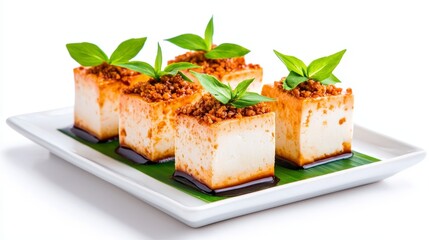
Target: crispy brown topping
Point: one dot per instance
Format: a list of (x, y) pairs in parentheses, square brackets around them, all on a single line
[(215, 67), (110, 72), (167, 88), (209, 110), (313, 89)]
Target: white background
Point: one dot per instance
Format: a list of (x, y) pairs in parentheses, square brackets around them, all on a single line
[(386, 64)]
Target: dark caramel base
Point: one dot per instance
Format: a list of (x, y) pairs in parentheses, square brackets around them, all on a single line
[(130, 154), (240, 189), (88, 136), (292, 165)]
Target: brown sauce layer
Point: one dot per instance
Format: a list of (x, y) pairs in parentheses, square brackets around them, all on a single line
[(88, 136)]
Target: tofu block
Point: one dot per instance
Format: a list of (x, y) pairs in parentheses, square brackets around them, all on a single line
[(96, 108), (311, 129), (148, 127), (226, 153)]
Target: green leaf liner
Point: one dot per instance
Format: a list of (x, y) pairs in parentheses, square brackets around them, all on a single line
[(163, 171)]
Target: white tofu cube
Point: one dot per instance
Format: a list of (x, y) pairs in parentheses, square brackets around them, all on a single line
[(96, 108), (148, 127), (311, 129), (226, 153)]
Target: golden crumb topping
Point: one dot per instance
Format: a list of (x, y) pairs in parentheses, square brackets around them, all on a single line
[(313, 89), (215, 67), (110, 72), (209, 110), (166, 88)]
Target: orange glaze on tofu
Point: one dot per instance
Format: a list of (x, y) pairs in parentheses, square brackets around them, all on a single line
[(96, 108), (311, 128), (147, 123), (226, 153)]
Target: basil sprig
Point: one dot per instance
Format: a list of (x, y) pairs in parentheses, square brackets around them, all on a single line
[(88, 54), (196, 43), (156, 72), (318, 70), (237, 97)]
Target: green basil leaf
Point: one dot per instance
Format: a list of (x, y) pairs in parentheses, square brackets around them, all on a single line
[(285, 86), (323, 67), (162, 73), (87, 54), (219, 90), (208, 35), (186, 78), (190, 42), (227, 50), (292, 63), (175, 67), (232, 92), (127, 50), (330, 80), (241, 88), (158, 59), (250, 99), (141, 67), (292, 80)]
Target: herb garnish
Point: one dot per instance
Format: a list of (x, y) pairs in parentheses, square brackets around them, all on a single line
[(88, 54), (238, 97), (197, 43), (156, 72), (318, 70)]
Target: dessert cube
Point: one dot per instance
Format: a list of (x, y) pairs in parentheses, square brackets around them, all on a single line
[(96, 108), (148, 127), (311, 129), (226, 153)]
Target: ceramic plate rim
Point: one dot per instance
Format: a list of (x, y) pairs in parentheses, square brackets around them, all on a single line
[(41, 127)]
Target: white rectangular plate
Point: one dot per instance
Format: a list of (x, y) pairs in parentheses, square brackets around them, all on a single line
[(42, 129)]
